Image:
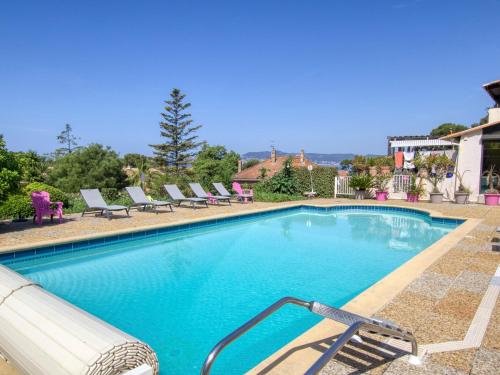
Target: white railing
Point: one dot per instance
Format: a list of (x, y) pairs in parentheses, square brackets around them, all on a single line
[(401, 183), (342, 186)]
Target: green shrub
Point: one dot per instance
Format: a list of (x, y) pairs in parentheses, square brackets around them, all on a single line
[(156, 189), (361, 182), (261, 193), (323, 180), (76, 204), (276, 197), (56, 195), (111, 194), (283, 182), (10, 174), (16, 206)]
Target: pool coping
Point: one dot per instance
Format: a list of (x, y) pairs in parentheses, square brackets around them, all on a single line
[(298, 355), (367, 303)]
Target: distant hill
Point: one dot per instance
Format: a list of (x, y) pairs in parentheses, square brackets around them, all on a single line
[(321, 159)]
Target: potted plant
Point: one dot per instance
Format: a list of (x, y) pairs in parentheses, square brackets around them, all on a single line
[(415, 190), (381, 184), (372, 167), (491, 196), (434, 169), (420, 163), (463, 192), (385, 164), (359, 164), (361, 183)]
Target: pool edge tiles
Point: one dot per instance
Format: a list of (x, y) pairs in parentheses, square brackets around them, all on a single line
[(59, 247)]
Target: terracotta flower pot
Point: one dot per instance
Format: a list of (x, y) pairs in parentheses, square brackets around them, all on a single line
[(385, 169), (372, 171), (410, 197), (491, 199), (381, 195), (342, 173)]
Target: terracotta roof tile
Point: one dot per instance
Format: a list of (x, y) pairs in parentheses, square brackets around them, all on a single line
[(253, 173)]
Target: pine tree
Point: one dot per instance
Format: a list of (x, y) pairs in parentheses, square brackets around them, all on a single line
[(177, 127), (67, 139)]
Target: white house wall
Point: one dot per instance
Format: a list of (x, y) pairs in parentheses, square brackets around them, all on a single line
[(469, 159)]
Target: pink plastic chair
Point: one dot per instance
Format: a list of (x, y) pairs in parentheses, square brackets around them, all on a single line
[(243, 195), (210, 199), (43, 207)]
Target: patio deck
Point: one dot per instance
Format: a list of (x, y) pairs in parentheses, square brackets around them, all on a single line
[(438, 305)]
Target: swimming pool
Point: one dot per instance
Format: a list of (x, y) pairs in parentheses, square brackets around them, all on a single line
[(181, 290)]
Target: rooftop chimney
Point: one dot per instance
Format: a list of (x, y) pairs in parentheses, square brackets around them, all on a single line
[(302, 156), (240, 165), (273, 155)]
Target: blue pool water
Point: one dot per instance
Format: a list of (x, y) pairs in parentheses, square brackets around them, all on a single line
[(182, 292)]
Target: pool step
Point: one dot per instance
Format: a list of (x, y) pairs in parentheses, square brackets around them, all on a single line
[(354, 322)]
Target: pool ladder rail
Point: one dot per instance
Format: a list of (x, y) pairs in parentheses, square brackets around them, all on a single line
[(354, 322)]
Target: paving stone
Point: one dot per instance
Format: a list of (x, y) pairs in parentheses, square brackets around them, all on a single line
[(469, 245), (373, 356), (461, 360), (459, 304), (402, 366), (475, 282), (487, 362), (484, 262), (492, 338), (485, 228), (452, 263), (408, 310), (431, 284), (441, 328)]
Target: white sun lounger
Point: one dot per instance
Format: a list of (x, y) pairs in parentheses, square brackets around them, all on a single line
[(178, 197), (200, 193), (141, 200), (94, 201)]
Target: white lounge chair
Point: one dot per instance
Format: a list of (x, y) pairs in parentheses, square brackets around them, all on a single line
[(200, 193), (94, 201), (178, 197), (141, 200)]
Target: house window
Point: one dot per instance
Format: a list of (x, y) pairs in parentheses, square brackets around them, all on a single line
[(491, 157)]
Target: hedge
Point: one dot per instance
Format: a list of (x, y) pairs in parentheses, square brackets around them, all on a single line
[(17, 206), (323, 180)]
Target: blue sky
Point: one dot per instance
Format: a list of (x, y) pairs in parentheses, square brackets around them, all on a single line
[(326, 76)]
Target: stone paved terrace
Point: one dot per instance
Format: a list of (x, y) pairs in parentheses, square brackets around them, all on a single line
[(438, 305)]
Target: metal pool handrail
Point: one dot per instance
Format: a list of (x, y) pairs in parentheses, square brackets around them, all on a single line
[(354, 321)]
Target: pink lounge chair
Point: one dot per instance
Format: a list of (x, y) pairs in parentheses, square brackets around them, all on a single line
[(44, 207), (243, 195)]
